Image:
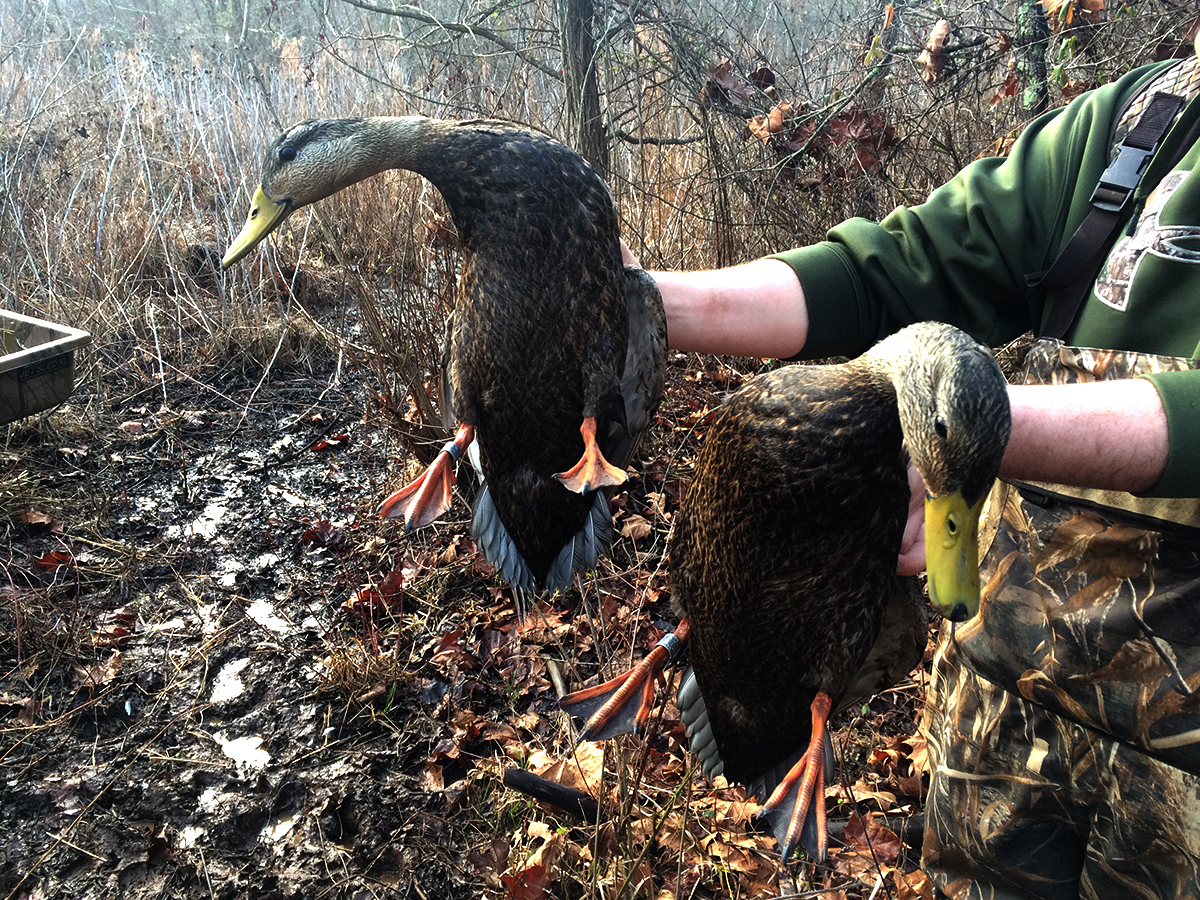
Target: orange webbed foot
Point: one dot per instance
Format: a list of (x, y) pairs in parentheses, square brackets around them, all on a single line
[(796, 808), (623, 704), (593, 470), (425, 499)]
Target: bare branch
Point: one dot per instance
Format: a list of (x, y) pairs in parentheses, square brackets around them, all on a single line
[(418, 15), (656, 141)]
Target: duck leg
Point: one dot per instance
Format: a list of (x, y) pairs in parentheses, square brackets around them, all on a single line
[(423, 500), (593, 470), (623, 704), (796, 808)]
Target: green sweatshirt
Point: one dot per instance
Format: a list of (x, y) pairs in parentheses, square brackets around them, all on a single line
[(962, 256)]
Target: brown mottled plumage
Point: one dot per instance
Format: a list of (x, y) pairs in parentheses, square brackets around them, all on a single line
[(782, 580), (549, 328), (783, 556)]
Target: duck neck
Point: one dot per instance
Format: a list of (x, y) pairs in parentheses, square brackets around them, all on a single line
[(903, 361), (914, 363), (389, 142)]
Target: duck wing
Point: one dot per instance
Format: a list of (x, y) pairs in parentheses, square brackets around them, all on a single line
[(644, 374), (899, 648)]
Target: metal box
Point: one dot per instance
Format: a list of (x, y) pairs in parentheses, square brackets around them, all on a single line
[(37, 370)]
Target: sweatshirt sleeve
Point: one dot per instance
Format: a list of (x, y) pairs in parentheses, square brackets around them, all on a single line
[(962, 256), (1180, 395)]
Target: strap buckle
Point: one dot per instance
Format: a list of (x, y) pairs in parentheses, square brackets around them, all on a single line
[(1120, 179)]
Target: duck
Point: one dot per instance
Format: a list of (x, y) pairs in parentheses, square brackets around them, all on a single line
[(555, 357), (783, 558)]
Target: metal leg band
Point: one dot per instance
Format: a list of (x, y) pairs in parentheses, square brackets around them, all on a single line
[(672, 644)]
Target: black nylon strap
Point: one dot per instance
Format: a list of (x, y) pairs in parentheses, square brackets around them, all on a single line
[(1079, 261), (1154, 122)]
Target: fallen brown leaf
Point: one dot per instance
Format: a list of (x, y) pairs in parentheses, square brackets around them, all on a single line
[(912, 785), (546, 854), (582, 770), (28, 710), (375, 599), (54, 559), (322, 534), (869, 835), (635, 527), (861, 792), (491, 862), (531, 884), (858, 864), (449, 654), (337, 442), (39, 522), (432, 778), (913, 885), (919, 750), (98, 674)]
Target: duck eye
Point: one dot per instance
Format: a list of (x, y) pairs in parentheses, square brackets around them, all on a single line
[(287, 154), (939, 425)]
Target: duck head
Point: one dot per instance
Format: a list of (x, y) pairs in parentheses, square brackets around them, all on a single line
[(954, 411), (314, 159)]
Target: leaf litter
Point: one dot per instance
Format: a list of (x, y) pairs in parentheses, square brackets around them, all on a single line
[(227, 677)]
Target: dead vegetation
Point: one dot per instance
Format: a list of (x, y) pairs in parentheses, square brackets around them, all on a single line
[(220, 673)]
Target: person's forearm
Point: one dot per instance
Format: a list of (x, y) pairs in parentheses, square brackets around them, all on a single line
[(756, 309), (1108, 435)]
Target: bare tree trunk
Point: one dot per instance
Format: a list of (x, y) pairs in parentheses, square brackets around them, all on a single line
[(586, 125)]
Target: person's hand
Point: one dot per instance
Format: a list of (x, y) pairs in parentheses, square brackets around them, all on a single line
[(912, 546)]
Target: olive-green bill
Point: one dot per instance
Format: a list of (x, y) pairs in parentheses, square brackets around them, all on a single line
[(952, 555), (265, 216)]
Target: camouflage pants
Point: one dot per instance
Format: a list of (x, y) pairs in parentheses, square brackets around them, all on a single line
[(1064, 720)]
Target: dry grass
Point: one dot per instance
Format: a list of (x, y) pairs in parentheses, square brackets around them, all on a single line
[(123, 176)]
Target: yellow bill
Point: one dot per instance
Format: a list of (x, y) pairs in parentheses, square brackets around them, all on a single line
[(265, 216), (952, 555)]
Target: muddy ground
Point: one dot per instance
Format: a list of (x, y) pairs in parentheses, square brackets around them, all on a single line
[(221, 675)]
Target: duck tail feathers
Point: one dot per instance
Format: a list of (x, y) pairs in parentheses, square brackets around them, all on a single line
[(498, 548), (580, 553), (699, 732)]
